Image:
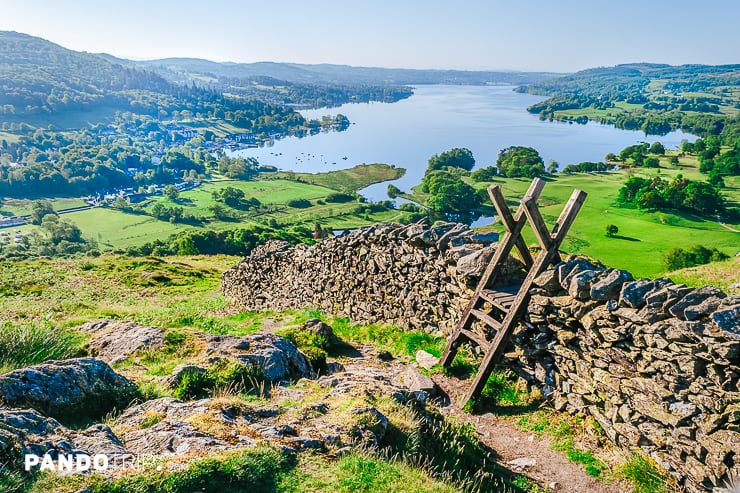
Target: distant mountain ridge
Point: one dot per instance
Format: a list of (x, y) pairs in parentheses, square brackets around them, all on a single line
[(330, 73)]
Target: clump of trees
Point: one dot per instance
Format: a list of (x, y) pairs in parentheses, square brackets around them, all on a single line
[(238, 241), (678, 258), (519, 161), (585, 167), (235, 198), (488, 173), (450, 197), (458, 157), (682, 194)]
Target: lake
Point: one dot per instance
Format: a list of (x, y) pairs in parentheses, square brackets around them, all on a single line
[(485, 119)]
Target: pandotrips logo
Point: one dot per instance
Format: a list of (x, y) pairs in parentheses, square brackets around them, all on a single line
[(85, 462), (68, 462)]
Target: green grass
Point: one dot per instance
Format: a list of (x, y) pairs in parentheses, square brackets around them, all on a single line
[(113, 229), (645, 475), (642, 235), (27, 343), (23, 207), (564, 430), (352, 179)]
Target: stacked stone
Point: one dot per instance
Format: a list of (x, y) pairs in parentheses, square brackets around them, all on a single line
[(413, 276), (655, 363)]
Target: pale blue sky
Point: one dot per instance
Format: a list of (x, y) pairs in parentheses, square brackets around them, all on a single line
[(549, 35)]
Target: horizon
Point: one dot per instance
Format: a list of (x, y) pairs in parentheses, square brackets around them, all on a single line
[(475, 36)]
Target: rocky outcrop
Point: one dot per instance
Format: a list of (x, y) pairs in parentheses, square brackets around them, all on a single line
[(655, 363), (26, 431), (113, 340), (275, 356), (414, 276), (68, 390)]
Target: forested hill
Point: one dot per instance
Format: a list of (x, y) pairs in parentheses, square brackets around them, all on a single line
[(331, 74), (701, 99), (42, 83), (37, 76)]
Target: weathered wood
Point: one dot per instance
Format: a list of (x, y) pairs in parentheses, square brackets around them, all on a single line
[(506, 243), (511, 300)]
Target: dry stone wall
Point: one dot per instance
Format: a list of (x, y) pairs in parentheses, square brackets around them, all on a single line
[(414, 276), (655, 363)]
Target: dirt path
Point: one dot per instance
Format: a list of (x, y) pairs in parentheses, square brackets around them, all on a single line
[(551, 469), (510, 443)]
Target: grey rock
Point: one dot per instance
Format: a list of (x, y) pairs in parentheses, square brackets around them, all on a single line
[(694, 298), (113, 341), (633, 293), (415, 381), (608, 287), (67, 390), (475, 264), (319, 328), (728, 320), (522, 463), (426, 360), (278, 358), (580, 284)]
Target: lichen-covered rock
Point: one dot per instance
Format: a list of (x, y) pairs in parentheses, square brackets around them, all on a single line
[(26, 431), (113, 341), (72, 389), (274, 355)]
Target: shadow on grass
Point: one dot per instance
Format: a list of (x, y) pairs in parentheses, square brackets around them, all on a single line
[(627, 238)]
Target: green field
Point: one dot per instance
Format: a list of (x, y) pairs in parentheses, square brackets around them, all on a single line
[(352, 179), (22, 207), (642, 236), (114, 229)]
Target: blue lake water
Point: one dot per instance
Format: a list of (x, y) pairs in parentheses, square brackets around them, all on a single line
[(485, 119)]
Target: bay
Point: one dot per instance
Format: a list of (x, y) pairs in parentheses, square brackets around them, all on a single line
[(485, 119)]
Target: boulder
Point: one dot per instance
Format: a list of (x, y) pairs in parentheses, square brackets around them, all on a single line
[(426, 360), (71, 389), (609, 286), (113, 341), (278, 358)]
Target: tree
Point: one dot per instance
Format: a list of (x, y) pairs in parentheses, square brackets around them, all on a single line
[(458, 157), (611, 230), (553, 166), (171, 192), (450, 196), (40, 209), (657, 148), (519, 161), (484, 174), (393, 191)]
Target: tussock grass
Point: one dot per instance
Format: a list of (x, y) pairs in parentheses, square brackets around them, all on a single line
[(29, 343)]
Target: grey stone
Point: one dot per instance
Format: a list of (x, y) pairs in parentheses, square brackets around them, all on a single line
[(608, 287), (633, 293), (277, 357), (728, 320), (113, 341), (426, 360), (415, 381), (68, 390)]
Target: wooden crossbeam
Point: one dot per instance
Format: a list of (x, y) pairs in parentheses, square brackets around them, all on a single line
[(510, 302)]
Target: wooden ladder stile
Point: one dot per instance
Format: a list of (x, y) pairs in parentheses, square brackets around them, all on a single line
[(509, 302)]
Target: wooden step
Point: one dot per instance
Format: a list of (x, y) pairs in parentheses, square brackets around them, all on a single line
[(476, 338), (500, 299), (487, 319)]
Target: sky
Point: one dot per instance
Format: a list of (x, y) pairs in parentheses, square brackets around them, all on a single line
[(529, 35)]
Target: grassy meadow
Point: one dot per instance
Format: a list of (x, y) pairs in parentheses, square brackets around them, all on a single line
[(643, 236), (114, 229)]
